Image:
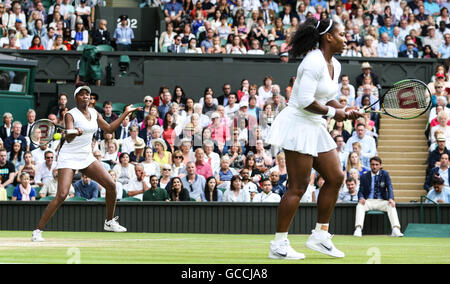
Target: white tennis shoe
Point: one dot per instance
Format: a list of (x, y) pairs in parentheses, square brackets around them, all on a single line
[(396, 232), (320, 241), (283, 250), (358, 232), (113, 226), (36, 236)]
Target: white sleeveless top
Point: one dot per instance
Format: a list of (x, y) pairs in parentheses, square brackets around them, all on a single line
[(78, 153)]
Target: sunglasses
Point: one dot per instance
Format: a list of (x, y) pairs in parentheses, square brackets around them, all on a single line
[(148, 101), (178, 157), (166, 169)]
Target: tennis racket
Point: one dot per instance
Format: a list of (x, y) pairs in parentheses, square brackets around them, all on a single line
[(43, 132), (406, 99)]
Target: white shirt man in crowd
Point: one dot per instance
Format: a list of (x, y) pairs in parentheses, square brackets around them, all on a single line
[(138, 185), (266, 195), (45, 170)]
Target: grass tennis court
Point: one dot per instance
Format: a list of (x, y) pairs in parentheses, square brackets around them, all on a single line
[(88, 247)]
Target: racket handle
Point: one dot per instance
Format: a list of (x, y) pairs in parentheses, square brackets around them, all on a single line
[(71, 131)]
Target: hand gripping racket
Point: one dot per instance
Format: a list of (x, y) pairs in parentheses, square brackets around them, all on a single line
[(406, 99), (45, 131)]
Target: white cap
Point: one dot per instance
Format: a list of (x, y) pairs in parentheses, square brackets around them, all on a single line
[(81, 88), (243, 104)]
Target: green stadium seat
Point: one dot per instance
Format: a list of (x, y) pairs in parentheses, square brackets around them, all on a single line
[(130, 199), (279, 42), (223, 41), (37, 189), (124, 193), (104, 47), (46, 198), (164, 49), (386, 219), (118, 108), (80, 47), (193, 199), (9, 191), (101, 199), (139, 105), (77, 198)]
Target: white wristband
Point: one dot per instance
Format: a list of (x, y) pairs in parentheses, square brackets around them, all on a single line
[(331, 112)]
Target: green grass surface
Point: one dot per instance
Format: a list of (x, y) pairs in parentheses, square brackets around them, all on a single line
[(87, 247)]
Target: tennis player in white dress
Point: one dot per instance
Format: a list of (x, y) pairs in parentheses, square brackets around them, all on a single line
[(300, 131), (76, 154)]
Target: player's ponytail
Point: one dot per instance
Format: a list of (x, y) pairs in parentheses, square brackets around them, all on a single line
[(307, 37)]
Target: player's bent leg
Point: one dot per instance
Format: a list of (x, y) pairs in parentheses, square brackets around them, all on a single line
[(328, 165), (299, 170), (96, 172), (65, 177)]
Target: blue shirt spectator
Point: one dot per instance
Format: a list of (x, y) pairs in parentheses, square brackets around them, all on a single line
[(173, 8), (86, 188), (193, 182), (18, 194), (443, 195), (431, 7)]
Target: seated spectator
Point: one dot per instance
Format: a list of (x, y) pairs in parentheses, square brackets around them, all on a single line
[(444, 49), (442, 79), (267, 195), (409, 52), (173, 11), (443, 120), (161, 155), (277, 183), (50, 188), (439, 93), (98, 155), (211, 193), (167, 37), (102, 36), (367, 142), (377, 195), (58, 44), (255, 48), (369, 49), (15, 156), (192, 47), (24, 191), (442, 170), (155, 193), (119, 186), (439, 193), (367, 71), (45, 169), (124, 169), (193, 182), (225, 173), (351, 194), (137, 186), (111, 157), (236, 47), (176, 46), (150, 166), (166, 176), (39, 29), (236, 193), (263, 160), (137, 156), (352, 49), (354, 162), (29, 166), (15, 137), (86, 188), (177, 192), (433, 39)]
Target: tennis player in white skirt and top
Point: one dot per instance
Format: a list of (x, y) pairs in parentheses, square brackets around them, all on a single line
[(300, 131), (76, 154)]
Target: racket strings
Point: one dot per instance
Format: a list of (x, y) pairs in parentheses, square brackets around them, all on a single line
[(407, 99), (42, 132)]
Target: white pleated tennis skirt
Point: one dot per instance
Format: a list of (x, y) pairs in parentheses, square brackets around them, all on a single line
[(293, 131), (75, 161)]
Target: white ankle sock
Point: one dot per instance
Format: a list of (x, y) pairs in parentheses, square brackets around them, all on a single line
[(319, 227), (280, 236)]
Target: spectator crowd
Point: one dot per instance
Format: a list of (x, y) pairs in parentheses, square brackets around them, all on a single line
[(396, 28), (177, 148)]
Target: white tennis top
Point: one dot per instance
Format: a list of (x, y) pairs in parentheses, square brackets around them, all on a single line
[(314, 83), (78, 153)]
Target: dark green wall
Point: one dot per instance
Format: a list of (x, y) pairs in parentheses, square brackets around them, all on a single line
[(190, 217)]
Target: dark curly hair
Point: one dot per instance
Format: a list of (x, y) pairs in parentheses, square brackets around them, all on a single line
[(308, 36)]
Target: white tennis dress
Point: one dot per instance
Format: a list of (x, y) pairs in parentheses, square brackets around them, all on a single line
[(78, 153), (297, 129)]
